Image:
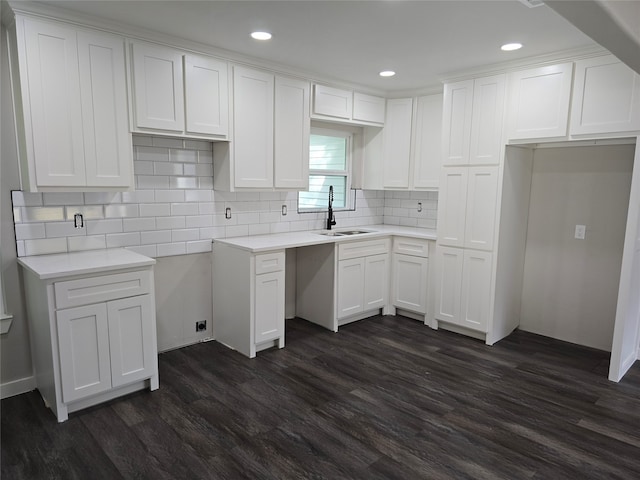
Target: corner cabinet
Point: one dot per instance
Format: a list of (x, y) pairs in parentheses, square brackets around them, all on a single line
[(175, 93), (71, 107), (93, 335), (271, 125)]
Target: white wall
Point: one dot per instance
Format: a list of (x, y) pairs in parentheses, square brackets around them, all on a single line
[(570, 286)]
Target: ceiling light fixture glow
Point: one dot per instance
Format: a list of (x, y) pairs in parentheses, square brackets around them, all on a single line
[(509, 47), (387, 73), (261, 35)]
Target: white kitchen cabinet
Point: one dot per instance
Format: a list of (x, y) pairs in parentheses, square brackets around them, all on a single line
[(452, 206), (472, 121), (606, 97), (376, 281), (427, 142), (347, 106), (92, 328), (410, 274), (71, 107), (248, 298), (206, 92), (538, 105), (463, 287), (397, 143)]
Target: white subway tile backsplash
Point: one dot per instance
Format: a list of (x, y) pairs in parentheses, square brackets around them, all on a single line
[(199, 221), (26, 199), (237, 231), (121, 211), (165, 168), (17, 214), (198, 145), (188, 234), (169, 223), (45, 246), (205, 183), (184, 209), (90, 242), (155, 209), (205, 157), (41, 214), (198, 196), (138, 224), (148, 250), (142, 140), (156, 236), (66, 198), (145, 167), (200, 246), (63, 229), (183, 182), (170, 196), (152, 182), (151, 154), (209, 233), (170, 249), (139, 196), (28, 231), (20, 251), (102, 198), (258, 229), (248, 218), (95, 227), (168, 142), (123, 239), (88, 212), (184, 156)]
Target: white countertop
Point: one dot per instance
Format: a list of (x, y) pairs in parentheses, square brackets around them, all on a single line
[(80, 263), (278, 241)]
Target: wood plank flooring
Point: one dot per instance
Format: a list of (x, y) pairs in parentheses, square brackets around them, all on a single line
[(383, 398)]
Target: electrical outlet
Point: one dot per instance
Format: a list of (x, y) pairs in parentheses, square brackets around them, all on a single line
[(201, 326), (581, 230)]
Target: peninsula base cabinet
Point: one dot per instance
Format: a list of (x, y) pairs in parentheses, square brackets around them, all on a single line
[(248, 298), (93, 337)]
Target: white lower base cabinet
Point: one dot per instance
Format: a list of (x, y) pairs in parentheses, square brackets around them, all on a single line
[(463, 287), (409, 283), (93, 337), (269, 306)]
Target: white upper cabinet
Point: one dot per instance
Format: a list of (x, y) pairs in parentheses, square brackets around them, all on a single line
[(72, 108), (347, 106), (539, 102), (606, 97), (482, 194), (452, 206), (397, 143), (206, 95), (175, 93), (158, 88), (472, 121), (427, 142)]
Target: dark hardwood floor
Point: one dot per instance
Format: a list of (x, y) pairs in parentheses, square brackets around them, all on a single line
[(384, 398)]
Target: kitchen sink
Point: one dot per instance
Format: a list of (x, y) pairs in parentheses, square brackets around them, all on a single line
[(344, 233)]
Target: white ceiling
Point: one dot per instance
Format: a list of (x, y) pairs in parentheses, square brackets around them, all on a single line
[(353, 40)]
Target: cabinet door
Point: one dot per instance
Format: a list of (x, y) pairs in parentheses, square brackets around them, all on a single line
[(482, 192), (350, 287), (476, 290), (397, 143), (291, 130), (55, 108), (452, 205), (456, 122), (158, 88), (448, 283), (486, 120), (269, 307), (409, 283), (606, 97), (427, 148), (253, 127), (206, 95), (376, 281), (332, 102), (83, 343), (367, 108), (132, 339), (539, 102), (107, 141)]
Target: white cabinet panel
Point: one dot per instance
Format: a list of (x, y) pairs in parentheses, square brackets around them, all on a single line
[(448, 283), (83, 342), (367, 108), (476, 290), (55, 106), (427, 144), (539, 102), (486, 121), (409, 282), (206, 95), (332, 102), (269, 306), (253, 127), (606, 97), (350, 287), (397, 143), (376, 281), (482, 192), (456, 122), (452, 204), (107, 141), (158, 88), (291, 130), (131, 340)]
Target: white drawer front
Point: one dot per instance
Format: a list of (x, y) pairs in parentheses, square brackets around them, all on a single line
[(411, 246), (270, 262), (90, 290), (363, 249)]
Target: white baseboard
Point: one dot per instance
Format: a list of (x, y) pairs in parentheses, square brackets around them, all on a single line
[(22, 385)]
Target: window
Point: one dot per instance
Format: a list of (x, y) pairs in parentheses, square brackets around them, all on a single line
[(329, 165)]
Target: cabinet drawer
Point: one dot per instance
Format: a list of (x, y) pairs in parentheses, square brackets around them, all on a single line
[(270, 262), (363, 249), (417, 247), (90, 290)]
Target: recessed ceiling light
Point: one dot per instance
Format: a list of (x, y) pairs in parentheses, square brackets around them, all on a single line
[(261, 35), (508, 47), (387, 73)]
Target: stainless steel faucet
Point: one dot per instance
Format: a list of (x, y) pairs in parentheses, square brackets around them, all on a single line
[(331, 218)]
